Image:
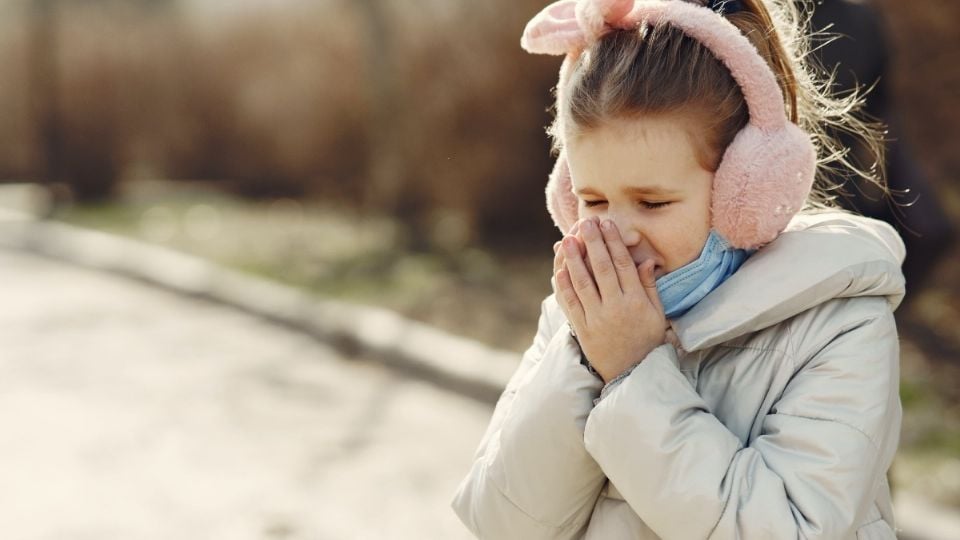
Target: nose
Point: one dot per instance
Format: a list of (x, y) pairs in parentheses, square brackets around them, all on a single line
[(628, 228)]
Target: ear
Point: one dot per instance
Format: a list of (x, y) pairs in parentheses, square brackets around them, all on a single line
[(554, 30)]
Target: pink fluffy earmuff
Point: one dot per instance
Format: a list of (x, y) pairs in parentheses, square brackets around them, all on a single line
[(765, 174)]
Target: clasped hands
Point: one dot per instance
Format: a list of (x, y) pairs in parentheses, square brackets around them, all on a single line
[(611, 302)]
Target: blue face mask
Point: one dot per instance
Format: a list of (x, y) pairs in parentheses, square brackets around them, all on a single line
[(682, 288)]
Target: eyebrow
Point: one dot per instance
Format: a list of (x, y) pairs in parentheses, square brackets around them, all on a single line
[(634, 190)]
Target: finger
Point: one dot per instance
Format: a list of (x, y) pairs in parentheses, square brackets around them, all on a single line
[(582, 245), (557, 267), (557, 258), (577, 231), (649, 283), (604, 272), (583, 284), (568, 300), (622, 261)]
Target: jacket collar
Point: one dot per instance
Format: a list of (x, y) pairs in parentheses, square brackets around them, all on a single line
[(818, 257)]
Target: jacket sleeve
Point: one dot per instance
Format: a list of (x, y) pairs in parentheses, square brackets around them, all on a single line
[(812, 472), (532, 476)]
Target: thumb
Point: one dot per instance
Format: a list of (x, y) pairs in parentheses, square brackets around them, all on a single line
[(649, 282)]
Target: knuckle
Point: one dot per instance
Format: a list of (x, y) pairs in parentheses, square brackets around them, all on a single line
[(604, 267), (582, 282), (623, 261)]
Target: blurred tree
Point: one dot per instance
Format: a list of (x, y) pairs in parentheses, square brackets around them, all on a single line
[(80, 151), (44, 82), (386, 125)]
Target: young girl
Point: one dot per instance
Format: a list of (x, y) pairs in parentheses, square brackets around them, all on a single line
[(719, 357)]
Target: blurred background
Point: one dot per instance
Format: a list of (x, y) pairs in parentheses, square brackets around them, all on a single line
[(394, 154)]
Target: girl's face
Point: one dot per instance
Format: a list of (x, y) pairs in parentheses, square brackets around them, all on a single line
[(644, 175)]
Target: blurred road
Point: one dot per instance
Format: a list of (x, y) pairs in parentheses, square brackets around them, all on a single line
[(128, 412)]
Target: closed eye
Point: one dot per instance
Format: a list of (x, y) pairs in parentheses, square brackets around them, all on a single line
[(646, 204), (653, 205)]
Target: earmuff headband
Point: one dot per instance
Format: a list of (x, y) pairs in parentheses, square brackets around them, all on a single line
[(767, 171)]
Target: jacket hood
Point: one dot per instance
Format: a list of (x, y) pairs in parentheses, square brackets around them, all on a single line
[(818, 257)]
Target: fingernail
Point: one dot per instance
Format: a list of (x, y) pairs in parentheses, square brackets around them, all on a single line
[(606, 225), (556, 246)]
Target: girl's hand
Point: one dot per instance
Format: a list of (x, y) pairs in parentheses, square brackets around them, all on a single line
[(614, 309), (559, 259)]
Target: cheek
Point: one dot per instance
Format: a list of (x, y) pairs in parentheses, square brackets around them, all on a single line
[(696, 224), (683, 243)]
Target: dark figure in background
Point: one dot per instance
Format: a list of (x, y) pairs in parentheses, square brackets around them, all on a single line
[(861, 57)]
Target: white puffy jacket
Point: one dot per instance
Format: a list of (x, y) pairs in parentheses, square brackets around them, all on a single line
[(778, 416)]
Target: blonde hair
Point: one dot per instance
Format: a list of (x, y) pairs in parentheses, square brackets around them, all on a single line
[(658, 69)]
